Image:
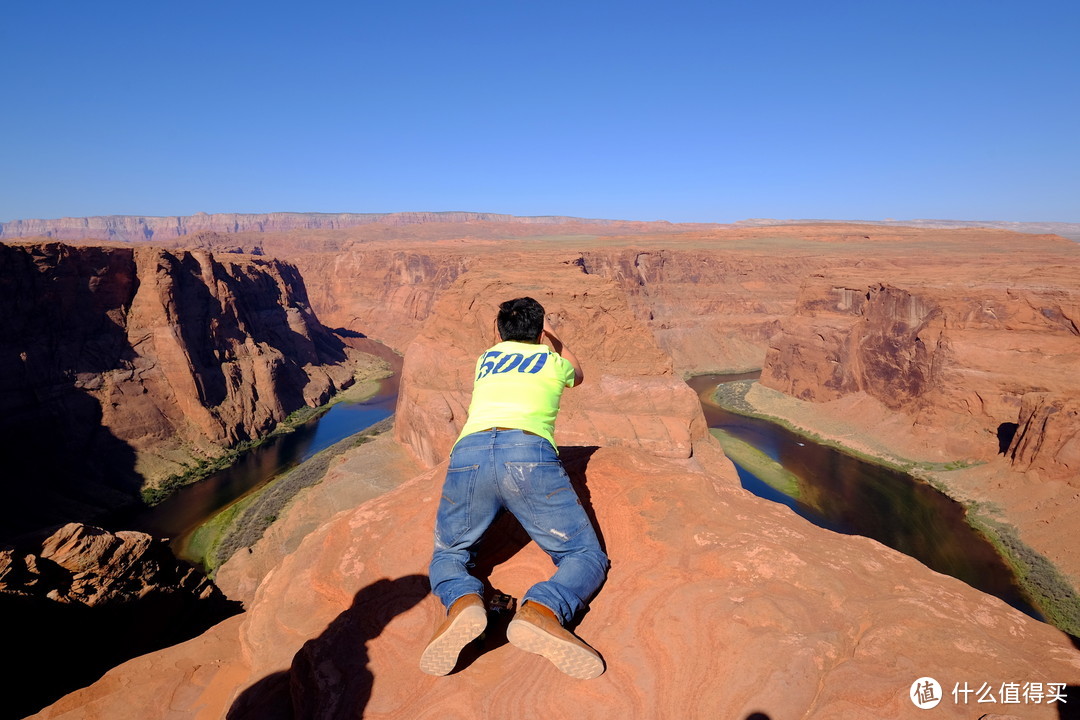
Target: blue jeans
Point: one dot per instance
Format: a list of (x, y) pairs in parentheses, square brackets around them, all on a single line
[(495, 469)]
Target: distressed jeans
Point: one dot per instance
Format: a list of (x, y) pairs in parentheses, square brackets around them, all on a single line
[(495, 469)]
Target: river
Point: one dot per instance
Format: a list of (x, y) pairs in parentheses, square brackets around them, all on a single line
[(848, 495), (836, 491), (181, 513)]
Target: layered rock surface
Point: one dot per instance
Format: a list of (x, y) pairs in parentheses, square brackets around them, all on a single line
[(1047, 439), (956, 353), (97, 596), (119, 365), (718, 604), (974, 364), (631, 396)]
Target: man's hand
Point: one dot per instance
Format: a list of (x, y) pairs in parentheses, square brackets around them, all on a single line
[(558, 346)]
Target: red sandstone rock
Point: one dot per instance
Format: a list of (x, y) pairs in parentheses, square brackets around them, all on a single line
[(951, 353), (1047, 440), (89, 566), (630, 396), (119, 365), (86, 600), (718, 605), (807, 623)]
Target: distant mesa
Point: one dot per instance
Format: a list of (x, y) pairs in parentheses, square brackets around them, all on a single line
[(139, 228), (1068, 230), (135, 228)]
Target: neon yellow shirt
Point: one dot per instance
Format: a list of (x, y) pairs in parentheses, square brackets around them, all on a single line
[(518, 385)]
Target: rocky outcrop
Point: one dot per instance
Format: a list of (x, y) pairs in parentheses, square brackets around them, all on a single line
[(630, 397), (121, 365), (718, 604), (1047, 439), (81, 564), (958, 353), (97, 596)]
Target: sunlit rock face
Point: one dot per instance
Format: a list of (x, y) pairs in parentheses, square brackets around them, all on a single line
[(630, 397), (718, 604), (1047, 439), (956, 353)]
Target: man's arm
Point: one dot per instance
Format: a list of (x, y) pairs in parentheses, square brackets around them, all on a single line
[(558, 346)]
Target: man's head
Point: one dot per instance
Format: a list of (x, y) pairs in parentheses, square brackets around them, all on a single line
[(521, 320)]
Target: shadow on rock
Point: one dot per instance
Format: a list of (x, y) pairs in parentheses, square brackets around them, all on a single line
[(1070, 709), (329, 677)]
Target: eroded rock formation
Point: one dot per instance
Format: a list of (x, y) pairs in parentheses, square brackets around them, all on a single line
[(99, 597), (119, 365), (85, 565), (957, 353), (631, 396), (1047, 439), (718, 604)]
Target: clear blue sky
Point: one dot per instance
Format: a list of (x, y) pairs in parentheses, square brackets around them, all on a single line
[(683, 111)]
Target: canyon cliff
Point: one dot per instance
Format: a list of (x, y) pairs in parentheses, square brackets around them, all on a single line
[(718, 604), (953, 345), (967, 368), (959, 352), (120, 366)]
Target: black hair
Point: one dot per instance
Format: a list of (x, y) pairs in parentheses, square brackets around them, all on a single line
[(521, 319)]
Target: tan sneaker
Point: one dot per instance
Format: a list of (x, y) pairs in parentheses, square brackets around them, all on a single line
[(536, 629), (464, 622)]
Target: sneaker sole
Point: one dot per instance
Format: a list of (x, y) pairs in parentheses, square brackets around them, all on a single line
[(569, 657), (441, 654)]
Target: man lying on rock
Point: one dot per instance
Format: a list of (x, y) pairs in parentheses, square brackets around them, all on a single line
[(505, 457)]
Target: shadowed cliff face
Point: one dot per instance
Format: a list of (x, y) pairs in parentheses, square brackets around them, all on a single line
[(119, 365), (97, 597)]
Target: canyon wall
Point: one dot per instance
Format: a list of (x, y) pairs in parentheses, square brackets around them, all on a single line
[(383, 292), (708, 308), (718, 603), (121, 365), (977, 356)]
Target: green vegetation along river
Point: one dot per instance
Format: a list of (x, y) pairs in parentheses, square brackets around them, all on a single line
[(848, 495)]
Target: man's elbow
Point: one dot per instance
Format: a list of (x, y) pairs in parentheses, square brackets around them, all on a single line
[(579, 377)]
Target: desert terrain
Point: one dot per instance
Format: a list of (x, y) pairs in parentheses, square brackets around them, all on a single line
[(952, 350)]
